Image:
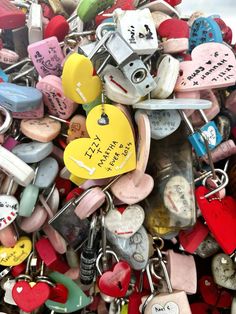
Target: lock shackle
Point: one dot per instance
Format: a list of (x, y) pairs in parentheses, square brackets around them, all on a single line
[(221, 186), (101, 43), (101, 28), (13, 66), (100, 255), (8, 120)]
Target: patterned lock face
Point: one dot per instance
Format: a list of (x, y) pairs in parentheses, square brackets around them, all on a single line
[(204, 30), (46, 56)]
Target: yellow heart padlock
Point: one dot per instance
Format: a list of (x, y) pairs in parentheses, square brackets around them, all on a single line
[(17, 254), (110, 150), (78, 81)]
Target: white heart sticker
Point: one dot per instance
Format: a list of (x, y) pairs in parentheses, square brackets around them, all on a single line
[(125, 224), (169, 308), (210, 135), (19, 289)]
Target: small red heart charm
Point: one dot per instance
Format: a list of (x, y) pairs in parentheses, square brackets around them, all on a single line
[(30, 298), (115, 283), (58, 293), (212, 295), (220, 217), (202, 308), (173, 28)]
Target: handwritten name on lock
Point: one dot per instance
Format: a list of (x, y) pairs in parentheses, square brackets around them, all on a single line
[(213, 65), (109, 151)]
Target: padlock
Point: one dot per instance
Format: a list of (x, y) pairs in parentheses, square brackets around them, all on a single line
[(11, 16), (175, 301), (88, 255), (178, 265), (223, 269), (209, 131), (46, 56), (167, 74), (8, 56), (46, 173), (138, 29), (35, 23), (128, 61), (33, 152), (87, 11), (114, 283), (54, 98), (171, 205)]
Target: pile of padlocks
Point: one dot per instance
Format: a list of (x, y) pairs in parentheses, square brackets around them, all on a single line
[(117, 158)]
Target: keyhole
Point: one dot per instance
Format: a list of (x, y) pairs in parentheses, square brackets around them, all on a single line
[(119, 285)]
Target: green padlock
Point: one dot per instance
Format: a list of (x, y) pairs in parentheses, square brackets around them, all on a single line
[(76, 298), (87, 10), (88, 107), (28, 200)]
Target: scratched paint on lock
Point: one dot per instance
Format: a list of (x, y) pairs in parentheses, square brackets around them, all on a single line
[(135, 250), (9, 207), (213, 65), (109, 151), (204, 30)]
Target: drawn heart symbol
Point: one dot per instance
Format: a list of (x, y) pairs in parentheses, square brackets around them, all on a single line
[(224, 270), (212, 295), (58, 293), (17, 254), (135, 250), (9, 207), (78, 81), (108, 152), (30, 298), (203, 30), (213, 65), (115, 283), (214, 212), (127, 223), (42, 130), (173, 28), (210, 135), (169, 308)]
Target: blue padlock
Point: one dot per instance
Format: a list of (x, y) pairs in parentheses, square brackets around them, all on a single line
[(18, 98), (204, 30), (209, 131)]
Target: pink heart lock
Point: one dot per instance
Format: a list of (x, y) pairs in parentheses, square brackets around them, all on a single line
[(178, 265), (213, 65), (8, 56), (54, 98), (134, 186)]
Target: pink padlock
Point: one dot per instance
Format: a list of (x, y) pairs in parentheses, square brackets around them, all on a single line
[(8, 56), (222, 151), (54, 98), (182, 272)]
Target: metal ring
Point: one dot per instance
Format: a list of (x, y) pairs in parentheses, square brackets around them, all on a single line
[(7, 122)]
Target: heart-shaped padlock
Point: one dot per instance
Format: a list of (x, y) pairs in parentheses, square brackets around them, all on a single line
[(224, 270), (215, 212)]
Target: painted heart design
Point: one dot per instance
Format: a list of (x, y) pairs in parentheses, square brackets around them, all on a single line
[(213, 65), (58, 293), (78, 81), (17, 254), (214, 212), (135, 250), (169, 308), (173, 28), (203, 30), (30, 298), (210, 135), (127, 223), (224, 270), (108, 152), (42, 130), (9, 207), (115, 283), (212, 294)]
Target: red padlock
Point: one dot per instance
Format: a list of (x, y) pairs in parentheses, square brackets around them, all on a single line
[(58, 26)]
